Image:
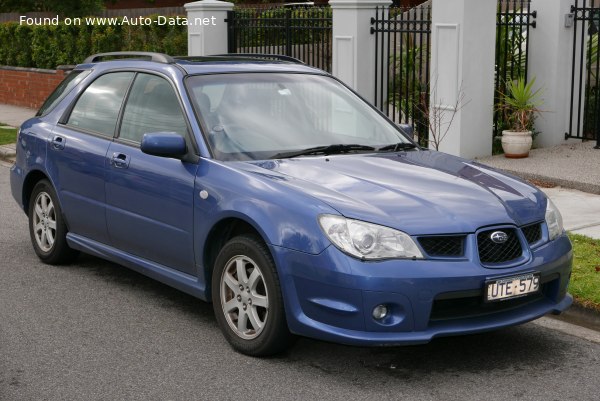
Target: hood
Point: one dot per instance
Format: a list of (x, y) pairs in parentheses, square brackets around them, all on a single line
[(418, 192)]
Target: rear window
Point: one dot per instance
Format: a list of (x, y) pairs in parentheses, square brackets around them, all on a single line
[(97, 109), (62, 90)]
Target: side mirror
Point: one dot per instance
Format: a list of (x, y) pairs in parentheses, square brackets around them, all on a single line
[(407, 129), (163, 144)]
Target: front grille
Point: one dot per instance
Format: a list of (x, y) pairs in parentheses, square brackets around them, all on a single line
[(450, 245), (463, 308), (533, 233), (491, 252)]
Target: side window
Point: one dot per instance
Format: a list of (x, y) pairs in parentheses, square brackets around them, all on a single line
[(62, 90), (97, 109), (152, 106)]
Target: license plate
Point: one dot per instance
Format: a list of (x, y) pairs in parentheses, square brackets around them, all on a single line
[(512, 287)]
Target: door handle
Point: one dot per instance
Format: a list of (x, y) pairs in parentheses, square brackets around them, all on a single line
[(120, 160), (58, 142)]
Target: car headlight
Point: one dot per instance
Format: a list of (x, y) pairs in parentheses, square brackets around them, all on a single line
[(368, 241), (553, 220)]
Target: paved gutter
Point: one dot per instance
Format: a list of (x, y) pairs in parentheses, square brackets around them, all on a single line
[(8, 152)]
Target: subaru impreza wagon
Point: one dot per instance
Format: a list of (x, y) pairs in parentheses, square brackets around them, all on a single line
[(272, 190)]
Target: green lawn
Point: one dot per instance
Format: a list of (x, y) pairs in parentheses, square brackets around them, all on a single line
[(585, 281), (8, 135)]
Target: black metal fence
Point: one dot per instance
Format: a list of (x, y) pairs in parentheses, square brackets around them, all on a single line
[(514, 20), (302, 32), (585, 79), (403, 38)]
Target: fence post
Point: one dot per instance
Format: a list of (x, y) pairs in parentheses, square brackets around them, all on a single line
[(550, 62), (353, 58), (231, 47), (288, 32), (207, 29), (462, 65)]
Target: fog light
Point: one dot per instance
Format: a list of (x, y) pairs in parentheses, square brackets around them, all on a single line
[(380, 312)]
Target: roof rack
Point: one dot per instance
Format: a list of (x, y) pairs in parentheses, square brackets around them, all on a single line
[(240, 56), (264, 56), (158, 57)]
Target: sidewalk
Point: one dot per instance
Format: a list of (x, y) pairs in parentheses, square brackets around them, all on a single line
[(573, 172), (15, 115)]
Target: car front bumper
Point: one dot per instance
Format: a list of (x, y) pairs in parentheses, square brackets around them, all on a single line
[(331, 296)]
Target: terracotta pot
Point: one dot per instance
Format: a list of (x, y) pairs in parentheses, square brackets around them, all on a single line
[(516, 144)]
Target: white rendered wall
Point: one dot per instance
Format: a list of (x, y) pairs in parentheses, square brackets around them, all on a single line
[(550, 62), (353, 44), (207, 39), (463, 43)]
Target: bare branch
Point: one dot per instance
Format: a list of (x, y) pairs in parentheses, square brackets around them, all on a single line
[(439, 120)]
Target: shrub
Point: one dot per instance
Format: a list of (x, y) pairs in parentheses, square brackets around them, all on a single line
[(48, 46)]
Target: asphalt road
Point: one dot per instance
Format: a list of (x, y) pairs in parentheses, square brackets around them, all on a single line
[(96, 331)]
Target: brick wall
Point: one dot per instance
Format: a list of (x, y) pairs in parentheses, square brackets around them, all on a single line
[(27, 87)]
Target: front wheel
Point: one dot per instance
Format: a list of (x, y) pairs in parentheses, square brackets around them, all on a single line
[(247, 298), (47, 228)]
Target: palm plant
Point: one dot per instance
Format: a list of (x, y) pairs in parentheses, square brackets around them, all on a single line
[(521, 104), (593, 56)]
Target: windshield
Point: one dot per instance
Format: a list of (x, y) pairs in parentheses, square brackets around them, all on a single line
[(265, 115)]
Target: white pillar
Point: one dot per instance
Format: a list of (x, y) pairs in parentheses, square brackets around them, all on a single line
[(207, 29), (550, 62), (353, 44), (462, 61)]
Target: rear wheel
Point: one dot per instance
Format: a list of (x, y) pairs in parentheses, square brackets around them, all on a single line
[(47, 228), (247, 298)]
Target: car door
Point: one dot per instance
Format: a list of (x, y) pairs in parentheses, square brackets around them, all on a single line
[(77, 153), (150, 198)]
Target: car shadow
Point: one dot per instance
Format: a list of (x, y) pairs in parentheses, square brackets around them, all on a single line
[(156, 292), (528, 348)]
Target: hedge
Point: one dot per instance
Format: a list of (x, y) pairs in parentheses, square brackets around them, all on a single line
[(47, 46)]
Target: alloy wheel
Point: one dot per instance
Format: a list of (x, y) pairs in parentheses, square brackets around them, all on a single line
[(44, 222), (244, 297)]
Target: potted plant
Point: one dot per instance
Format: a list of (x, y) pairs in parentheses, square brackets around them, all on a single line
[(520, 107)]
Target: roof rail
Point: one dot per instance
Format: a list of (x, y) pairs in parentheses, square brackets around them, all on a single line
[(265, 56), (240, 56), (158, 57)]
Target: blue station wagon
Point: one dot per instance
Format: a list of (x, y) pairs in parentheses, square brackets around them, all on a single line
[(272, 190)]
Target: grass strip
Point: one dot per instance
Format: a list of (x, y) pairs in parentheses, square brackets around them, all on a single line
[(7, 135), (585, 280)]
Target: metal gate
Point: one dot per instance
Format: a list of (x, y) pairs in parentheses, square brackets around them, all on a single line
[(514, 19), (303, 32), (585, 79), (403, 42)]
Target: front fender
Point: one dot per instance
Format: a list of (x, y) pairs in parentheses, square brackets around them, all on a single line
[(284, 216)]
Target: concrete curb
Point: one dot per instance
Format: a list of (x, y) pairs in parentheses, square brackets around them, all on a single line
[(559, 182), (8, 152), (580, 316)]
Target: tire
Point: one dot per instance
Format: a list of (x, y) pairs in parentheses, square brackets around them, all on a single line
[(247, 299), (47, 228)]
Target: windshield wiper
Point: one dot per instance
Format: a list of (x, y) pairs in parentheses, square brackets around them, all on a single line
[(394, 147), (325, 150)]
